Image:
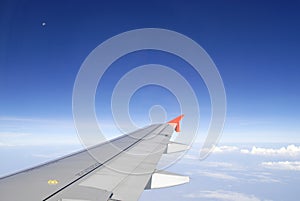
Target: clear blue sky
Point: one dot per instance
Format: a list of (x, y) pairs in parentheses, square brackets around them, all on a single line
[(255, 45)]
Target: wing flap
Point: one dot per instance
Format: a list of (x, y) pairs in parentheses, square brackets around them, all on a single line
[(78, 193), (174, 147), (162, 179)]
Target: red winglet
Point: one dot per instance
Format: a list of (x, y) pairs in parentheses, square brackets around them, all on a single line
[(177, 122)]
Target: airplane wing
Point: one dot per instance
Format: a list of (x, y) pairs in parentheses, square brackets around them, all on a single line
[(122, 169)]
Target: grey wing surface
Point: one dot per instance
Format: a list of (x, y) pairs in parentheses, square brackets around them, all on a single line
[(116, 170)]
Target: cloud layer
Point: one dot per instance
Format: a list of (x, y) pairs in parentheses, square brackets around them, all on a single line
[(223, 149), (217, 175), (282, 165), (290, 150), (223, 196)]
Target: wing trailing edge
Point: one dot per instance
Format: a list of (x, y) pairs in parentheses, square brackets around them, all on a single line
[(175, 147), (163, 179)]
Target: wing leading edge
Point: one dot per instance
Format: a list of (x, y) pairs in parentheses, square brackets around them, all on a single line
[(119, 169)]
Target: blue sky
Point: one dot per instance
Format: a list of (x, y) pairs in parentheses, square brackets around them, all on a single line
[(254, 44)]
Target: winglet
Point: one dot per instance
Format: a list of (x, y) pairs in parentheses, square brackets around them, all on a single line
[(176, 122)]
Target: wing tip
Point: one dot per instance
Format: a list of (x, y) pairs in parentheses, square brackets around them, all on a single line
[(176, 122)]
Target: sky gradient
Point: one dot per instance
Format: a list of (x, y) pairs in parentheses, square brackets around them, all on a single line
[(254, 44)]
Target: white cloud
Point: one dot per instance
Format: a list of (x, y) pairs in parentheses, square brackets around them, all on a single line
[(191, 156), (21, 139), (53, 155), (282, 165), (261, 177), (254, 177), (218, 175), (8, 139), (13, 134), (218, 164), (5, 144), (223, 196), (224, 149), (290, 150)]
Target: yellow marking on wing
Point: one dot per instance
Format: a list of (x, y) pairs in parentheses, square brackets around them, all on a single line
[(52, 182)]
